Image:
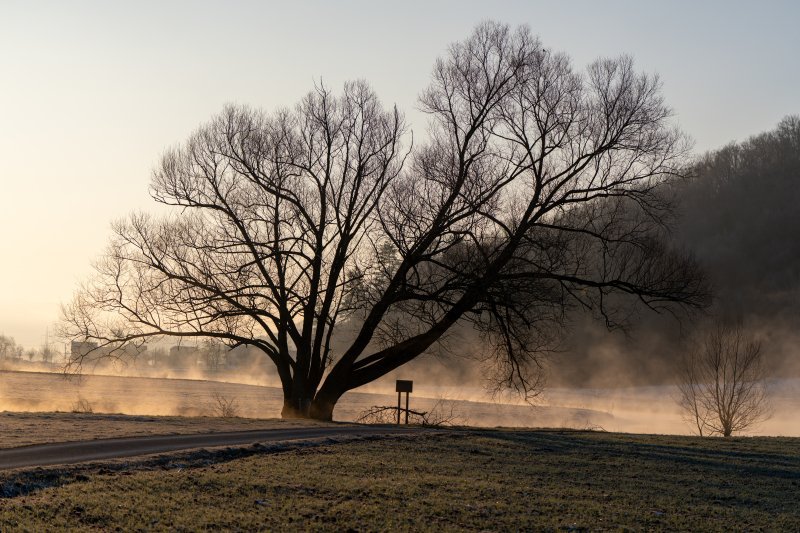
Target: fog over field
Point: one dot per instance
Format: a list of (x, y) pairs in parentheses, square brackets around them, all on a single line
[(416, 251), (629, 409), (418, 266), (596, 378)]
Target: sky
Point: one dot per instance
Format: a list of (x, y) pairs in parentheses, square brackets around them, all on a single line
[(92, 93)]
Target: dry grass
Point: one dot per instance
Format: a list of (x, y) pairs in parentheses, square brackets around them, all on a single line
[(488, 480), (21, 429)]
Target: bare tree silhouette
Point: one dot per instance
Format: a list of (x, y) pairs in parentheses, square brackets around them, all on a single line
[(537, 190), (722, 387)]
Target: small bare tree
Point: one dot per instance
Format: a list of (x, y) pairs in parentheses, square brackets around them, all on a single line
[(723, 388), (224, 406)]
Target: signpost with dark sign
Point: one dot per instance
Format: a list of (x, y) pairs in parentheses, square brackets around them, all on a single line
[(403, 385)]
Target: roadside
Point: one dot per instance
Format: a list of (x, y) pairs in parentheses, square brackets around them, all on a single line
[(62, 453), (23, 429), (447, 480)]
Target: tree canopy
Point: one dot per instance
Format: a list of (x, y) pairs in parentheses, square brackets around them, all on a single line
[(536, 189)]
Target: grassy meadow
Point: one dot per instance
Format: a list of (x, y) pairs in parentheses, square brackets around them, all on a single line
[(458, 479), (22, 429)]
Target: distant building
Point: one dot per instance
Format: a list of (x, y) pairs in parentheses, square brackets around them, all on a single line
[(182, 351), (247, 357), (82, 348), (182, 357)]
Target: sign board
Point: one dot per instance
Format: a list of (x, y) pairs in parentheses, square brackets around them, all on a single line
[(404, 385)]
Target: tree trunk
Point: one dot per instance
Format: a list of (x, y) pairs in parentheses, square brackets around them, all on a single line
[(317, 409), (295, 407), (321, 410), (289, 410), (323, 404), (297, 398)]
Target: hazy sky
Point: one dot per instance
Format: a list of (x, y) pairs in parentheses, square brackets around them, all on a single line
[(92, 92)]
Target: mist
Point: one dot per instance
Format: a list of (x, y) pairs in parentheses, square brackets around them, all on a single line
[(622, 380)]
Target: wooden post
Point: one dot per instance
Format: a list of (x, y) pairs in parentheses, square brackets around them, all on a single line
[(406, 386)]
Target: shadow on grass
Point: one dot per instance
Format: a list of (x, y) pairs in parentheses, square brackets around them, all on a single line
[(701, 452), (24, 482)]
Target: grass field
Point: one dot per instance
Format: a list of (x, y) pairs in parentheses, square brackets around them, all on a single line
[(450, 480), (21, 429)]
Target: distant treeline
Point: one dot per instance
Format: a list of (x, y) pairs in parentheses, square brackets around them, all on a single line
[(11, 351), (741, 216)]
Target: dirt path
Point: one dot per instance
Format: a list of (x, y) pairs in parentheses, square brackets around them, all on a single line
[(101, 449)]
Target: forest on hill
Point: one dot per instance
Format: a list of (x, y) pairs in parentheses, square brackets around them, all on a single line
[(739, 213)]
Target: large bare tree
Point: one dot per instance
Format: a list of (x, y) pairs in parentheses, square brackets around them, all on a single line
[(537, 189), (723, 388)]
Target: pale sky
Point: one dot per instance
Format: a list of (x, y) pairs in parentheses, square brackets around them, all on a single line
[(91, 93)]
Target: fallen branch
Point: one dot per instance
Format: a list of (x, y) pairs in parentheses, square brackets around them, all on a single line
[(443, 413)]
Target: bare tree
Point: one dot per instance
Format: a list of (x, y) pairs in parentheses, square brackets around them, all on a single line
[(537, 190), (723, 388), (224, 406), (213, 356), (9, 349)]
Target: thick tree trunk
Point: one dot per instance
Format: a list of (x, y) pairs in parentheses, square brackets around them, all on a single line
[(322, 410), (296, 404), (318, 408), (290, 411), (297, 399), (327, 396), (295, 407)]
